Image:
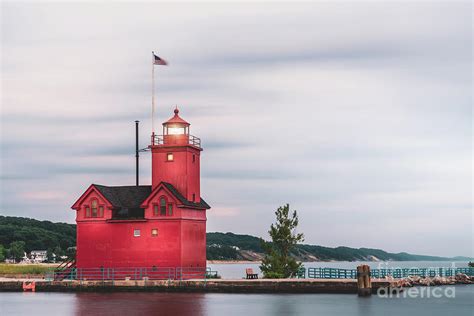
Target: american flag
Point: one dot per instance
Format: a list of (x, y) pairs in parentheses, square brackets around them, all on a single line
[(159, 61)]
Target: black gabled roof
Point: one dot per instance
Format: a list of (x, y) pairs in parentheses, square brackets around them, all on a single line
[(131, 196), (183, 200)]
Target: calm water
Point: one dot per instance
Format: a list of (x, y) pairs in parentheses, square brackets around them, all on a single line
[(243, 304), (237, 271), (231, 304)]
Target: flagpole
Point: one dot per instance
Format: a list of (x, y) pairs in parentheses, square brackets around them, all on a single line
[(153, 95)]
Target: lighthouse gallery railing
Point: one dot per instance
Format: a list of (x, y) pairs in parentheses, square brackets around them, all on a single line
[(159, 140)]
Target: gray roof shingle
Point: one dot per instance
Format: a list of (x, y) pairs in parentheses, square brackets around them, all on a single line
[(183, 200), (131, 197)]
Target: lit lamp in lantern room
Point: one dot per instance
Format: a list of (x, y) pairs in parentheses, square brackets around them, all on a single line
[(176, 130)]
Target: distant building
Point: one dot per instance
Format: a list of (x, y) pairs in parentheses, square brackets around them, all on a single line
[(38, 256), (157, 225)]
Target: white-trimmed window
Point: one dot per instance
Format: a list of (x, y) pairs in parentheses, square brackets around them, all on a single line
[(162, 206), (94, 208), (136, 233)]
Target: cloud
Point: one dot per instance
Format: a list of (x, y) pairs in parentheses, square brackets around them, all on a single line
[(354, 113)]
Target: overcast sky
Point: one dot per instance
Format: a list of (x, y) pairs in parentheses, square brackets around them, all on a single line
[(357, 114)]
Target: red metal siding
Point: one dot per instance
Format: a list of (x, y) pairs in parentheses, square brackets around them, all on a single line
[(181, 242), (182, 173), (114, 244), (193, 251)]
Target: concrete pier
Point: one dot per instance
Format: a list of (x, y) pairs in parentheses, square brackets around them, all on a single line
[(346, 286)]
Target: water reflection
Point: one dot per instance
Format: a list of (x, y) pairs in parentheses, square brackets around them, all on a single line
[(139, 304), (283, 306), (215, 304)]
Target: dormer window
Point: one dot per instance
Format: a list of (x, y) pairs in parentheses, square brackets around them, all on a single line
[(94, 208), (162, 206)]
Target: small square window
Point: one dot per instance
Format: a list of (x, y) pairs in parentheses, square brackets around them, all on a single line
[(136, 233), (169, 157), (154, 232)]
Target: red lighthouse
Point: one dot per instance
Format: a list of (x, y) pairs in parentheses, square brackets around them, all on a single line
[(162, 225)]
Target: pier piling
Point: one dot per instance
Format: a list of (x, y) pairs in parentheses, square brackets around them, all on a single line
[(364, 284)]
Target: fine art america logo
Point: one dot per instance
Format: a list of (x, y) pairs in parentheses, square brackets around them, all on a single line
[(418, 291)]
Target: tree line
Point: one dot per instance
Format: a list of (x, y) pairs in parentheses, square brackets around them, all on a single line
[(19, 235)]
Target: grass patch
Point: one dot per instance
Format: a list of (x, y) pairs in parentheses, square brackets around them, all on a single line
[(6, 268)]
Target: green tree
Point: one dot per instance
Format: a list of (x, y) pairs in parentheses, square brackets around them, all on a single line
[(2, 253), (278, 263), (58, 252), (49, 255), (71, 253), (17, 250)]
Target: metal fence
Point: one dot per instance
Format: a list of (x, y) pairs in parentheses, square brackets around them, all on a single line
[(331, 273), (334, 273), (186, 273), (138, 273), (301, 274)]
